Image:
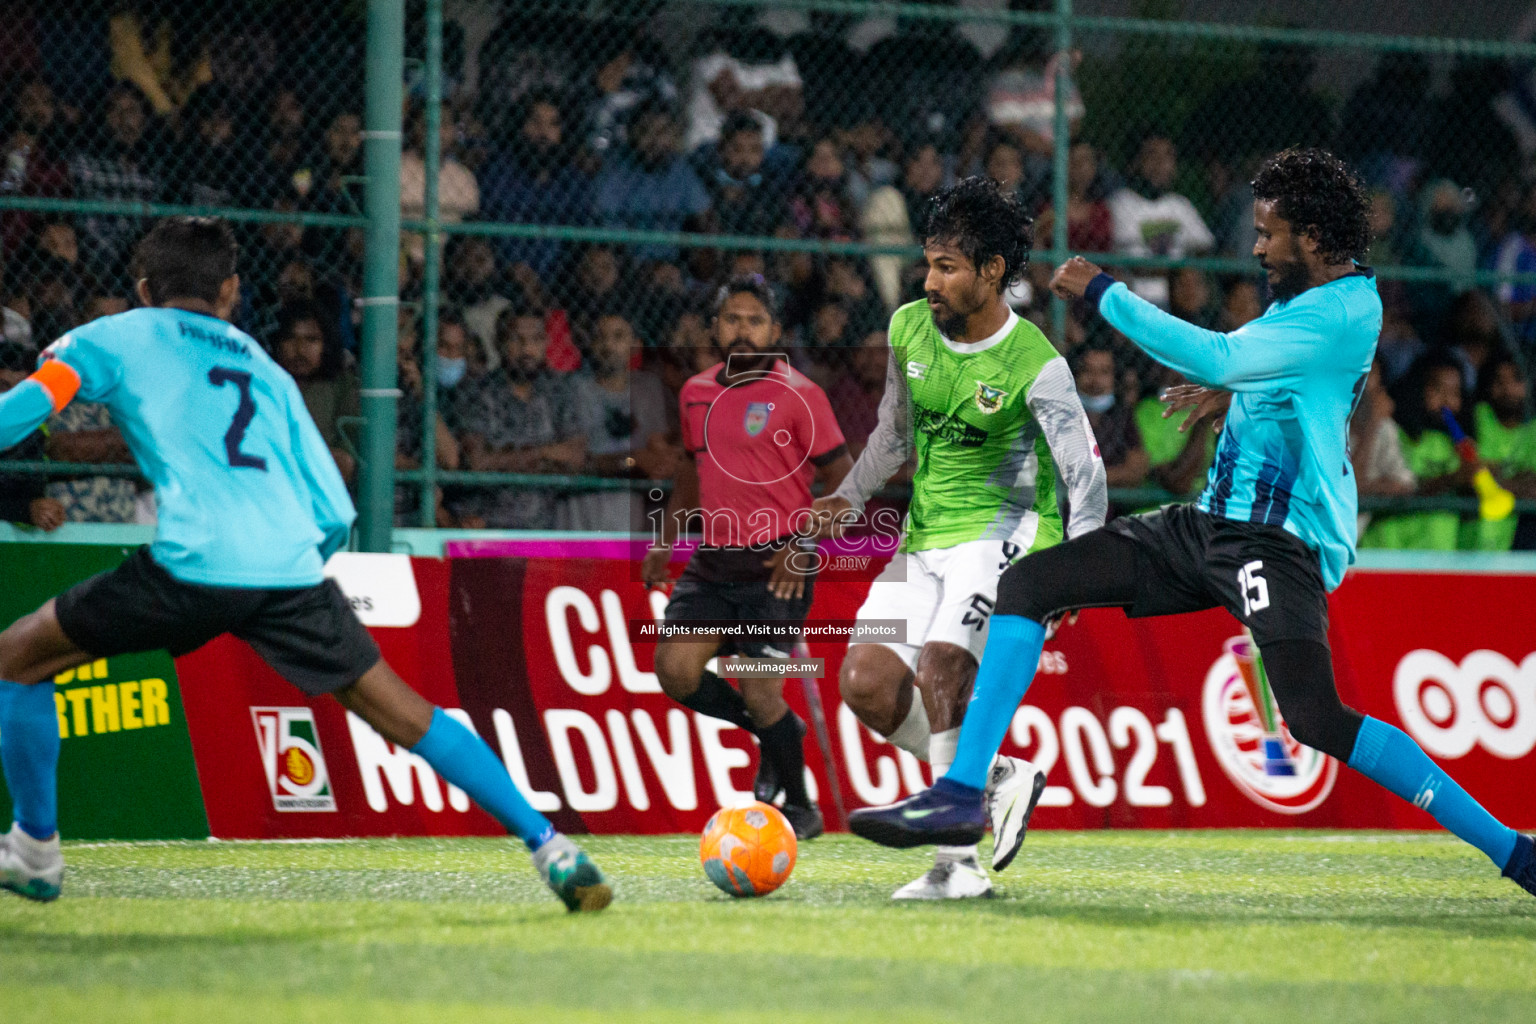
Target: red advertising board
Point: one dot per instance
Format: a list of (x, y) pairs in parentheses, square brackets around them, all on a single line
[(1139, 723)]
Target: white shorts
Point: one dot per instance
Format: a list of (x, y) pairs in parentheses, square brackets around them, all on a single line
[(945, 594)]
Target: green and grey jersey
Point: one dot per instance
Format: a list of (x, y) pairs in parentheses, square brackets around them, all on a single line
[(991, 424)]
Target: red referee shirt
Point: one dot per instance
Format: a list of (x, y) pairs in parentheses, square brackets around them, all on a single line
[(756, 444)]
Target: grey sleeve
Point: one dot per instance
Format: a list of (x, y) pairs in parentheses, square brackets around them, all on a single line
[(1054, 403), (890, 443)]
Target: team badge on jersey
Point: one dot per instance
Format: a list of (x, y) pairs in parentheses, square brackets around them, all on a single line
[(757, 417), (988, 398), (291, 759)]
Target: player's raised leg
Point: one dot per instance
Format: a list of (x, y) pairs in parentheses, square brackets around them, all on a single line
[(1301, 675), (32, 651), (1094, 570), (400, 714)]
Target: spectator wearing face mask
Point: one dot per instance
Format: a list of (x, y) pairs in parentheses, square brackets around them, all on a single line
[(1096, 371), (409, 411)]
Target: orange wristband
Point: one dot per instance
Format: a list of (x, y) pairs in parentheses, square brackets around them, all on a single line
[(60, 380)]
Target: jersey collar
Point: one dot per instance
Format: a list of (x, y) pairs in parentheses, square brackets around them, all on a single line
[(970, 348)]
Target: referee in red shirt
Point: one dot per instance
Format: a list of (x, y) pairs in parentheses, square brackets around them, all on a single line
[(759, 432)]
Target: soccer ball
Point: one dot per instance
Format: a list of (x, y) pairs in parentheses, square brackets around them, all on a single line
[(748, 850)]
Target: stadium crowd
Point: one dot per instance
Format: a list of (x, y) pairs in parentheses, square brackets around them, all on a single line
[(566, 358)]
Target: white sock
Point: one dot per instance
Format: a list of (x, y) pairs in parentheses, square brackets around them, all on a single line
[(941, 754), (912, 734)]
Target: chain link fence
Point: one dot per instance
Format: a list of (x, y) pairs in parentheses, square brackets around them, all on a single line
[(579, 176)]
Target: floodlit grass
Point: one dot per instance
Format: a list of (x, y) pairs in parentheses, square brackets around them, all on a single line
[(1093, 926)]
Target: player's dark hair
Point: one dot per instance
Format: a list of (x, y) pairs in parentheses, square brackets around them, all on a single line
[(1408, 394), (981, 220), (754, 285), (187, 258), (1319, 195)]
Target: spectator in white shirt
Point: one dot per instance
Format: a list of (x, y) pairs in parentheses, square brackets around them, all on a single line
[(748, 69), (1152, 220)]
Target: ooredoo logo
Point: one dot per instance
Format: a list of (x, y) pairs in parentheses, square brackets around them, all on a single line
[(1485, 701), (1250, 738), (291, 758)]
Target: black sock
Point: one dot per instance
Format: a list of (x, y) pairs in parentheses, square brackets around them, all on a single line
[(782, 743), (719, 699)]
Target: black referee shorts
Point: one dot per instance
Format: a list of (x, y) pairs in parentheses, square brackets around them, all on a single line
[(310, 635), (730, 585)]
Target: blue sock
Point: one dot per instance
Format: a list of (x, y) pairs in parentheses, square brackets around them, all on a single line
[(462, 758), (1007, 668), (29, 751), (1388, 756)]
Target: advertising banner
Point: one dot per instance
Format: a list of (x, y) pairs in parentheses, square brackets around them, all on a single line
[(125, 760), (1161, 723)]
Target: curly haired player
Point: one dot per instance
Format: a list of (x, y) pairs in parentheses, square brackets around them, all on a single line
[(1271, 534), (993, 414)]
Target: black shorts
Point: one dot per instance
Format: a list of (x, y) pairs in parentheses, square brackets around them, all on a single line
[(1191, 560), (310, 635), (698, 598)]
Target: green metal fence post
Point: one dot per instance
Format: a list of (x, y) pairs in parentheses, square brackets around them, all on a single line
[(432, 265), (381, 271), (1061, 145)]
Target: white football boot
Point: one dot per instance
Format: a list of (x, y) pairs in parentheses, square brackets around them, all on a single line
[(951, 878), (1013, 789), (29, 867)]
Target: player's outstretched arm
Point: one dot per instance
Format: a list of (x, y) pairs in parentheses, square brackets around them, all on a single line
[(1055, 406), (1256, 356), (25, 407)]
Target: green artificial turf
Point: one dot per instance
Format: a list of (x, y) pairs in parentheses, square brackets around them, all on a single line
[(1092, 926)]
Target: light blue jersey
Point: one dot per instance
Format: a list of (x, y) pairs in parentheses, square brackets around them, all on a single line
[(247, 491), (1297, 372)]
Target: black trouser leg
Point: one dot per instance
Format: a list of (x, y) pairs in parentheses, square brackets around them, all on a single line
[(1300, 673), (1096, 570)]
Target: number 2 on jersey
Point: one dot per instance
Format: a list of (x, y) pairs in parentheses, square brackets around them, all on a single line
[(244, 413)]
